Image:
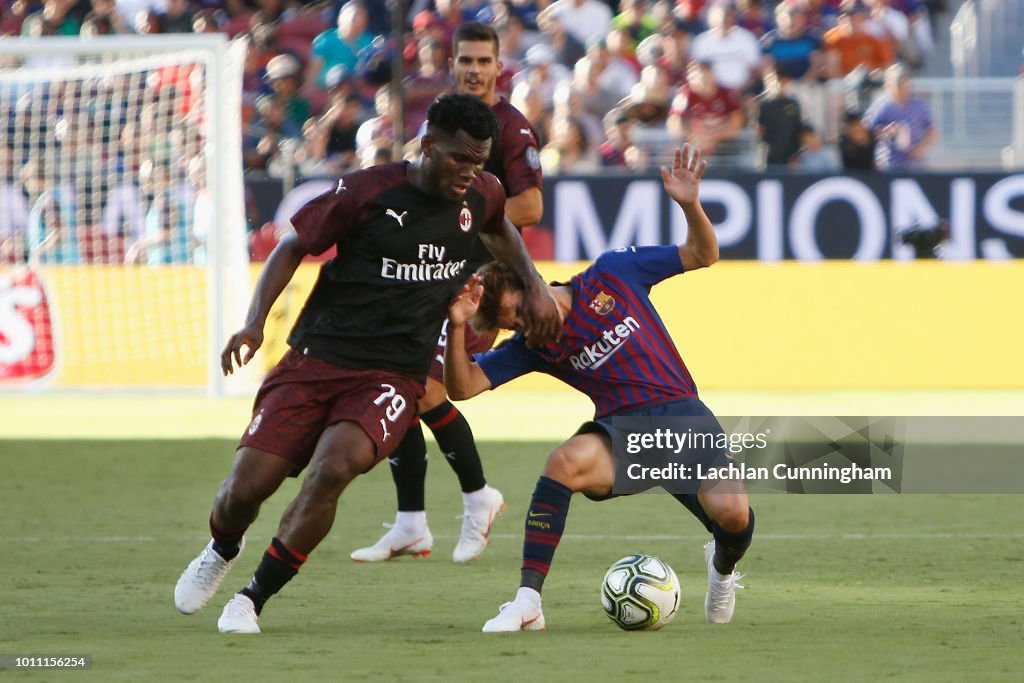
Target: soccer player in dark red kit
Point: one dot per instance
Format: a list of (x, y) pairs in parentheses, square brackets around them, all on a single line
[(615, 349), (343, 395), (514, 160)]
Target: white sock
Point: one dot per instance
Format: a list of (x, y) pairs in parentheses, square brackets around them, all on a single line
[(474, 498), (528, 594), (413, 521)]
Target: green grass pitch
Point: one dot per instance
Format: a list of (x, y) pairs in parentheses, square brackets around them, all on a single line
[(853, 588)]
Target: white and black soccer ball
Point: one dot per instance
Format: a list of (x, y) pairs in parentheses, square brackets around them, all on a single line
[(640, 592)]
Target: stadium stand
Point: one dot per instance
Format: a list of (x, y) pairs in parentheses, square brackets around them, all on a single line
[(976, 96)]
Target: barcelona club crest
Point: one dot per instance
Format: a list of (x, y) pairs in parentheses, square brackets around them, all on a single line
[(603, 304), (465, 218)]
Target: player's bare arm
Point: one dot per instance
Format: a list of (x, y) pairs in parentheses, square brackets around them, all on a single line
[(276, 275), (540, 312), (526, 208), (462, 377), (682, 184)]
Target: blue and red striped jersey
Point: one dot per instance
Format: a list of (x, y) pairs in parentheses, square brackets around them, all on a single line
[(614, 346)]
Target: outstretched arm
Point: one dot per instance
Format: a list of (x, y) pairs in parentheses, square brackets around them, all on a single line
[(682, 184), (462, 377), (539, 310), (276, 275)]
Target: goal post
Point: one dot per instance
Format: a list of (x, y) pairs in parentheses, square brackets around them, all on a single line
[(124, 260)]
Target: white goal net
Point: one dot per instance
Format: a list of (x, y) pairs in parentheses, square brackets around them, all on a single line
[(123, 253)]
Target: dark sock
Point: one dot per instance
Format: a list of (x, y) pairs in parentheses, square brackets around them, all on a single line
[(545, 523), (226, 541), (409, 470), (455, 439), (730, 546), (690, 502), (278, 566)]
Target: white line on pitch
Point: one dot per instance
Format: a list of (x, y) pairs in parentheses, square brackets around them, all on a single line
[(567, 537), (778, 537)]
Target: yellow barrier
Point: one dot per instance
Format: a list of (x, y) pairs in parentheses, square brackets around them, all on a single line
[(739, 325), (138, 327), (849, 325), (748, 325)]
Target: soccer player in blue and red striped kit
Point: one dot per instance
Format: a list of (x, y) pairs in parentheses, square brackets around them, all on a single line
[(615, 349)]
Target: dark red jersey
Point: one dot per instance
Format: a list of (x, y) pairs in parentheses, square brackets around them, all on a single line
[(514, 156), (379, 304), (514, 160)]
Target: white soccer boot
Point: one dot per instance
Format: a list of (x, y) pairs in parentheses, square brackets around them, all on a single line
[(720, 600), (201, 579), (399, 540), (477, 519), (522, 614), (239, 616)]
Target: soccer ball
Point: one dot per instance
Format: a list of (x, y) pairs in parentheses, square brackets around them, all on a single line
[(640, 592)]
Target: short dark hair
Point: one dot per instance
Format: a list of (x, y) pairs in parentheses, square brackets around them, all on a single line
[(457, 111), (474, 32), (497, 278)]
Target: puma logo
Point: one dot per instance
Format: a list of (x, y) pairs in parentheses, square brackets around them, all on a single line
[(397, 217)]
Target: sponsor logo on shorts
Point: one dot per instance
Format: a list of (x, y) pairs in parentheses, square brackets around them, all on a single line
[(256, 422)]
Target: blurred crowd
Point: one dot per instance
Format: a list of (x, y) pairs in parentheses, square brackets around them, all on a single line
[(607, 83), (610, 85)]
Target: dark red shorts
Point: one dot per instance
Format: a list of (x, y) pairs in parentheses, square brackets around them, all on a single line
[(475, 343), (303, 395)]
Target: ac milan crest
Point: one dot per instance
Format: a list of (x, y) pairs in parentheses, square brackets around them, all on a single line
[(465, 218)]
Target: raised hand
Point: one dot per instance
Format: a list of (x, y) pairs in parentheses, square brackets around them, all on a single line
[(466, 302), (683, 181), (541, 317)]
